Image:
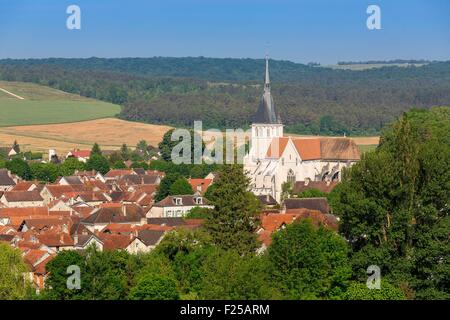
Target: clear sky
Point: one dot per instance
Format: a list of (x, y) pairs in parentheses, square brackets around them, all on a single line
[(324, 31)]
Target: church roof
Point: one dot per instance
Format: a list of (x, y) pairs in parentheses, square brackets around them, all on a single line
[(316, 148), (267, 112)]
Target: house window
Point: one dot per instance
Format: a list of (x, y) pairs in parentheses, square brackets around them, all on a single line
[(178, 201), (291, 176)]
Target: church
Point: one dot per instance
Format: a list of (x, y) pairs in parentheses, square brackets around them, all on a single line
[(274, 159)]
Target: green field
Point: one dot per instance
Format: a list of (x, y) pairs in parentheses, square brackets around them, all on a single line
[(364, 66), (44, 105)]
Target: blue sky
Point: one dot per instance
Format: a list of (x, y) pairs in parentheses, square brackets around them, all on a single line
[(324, 31)]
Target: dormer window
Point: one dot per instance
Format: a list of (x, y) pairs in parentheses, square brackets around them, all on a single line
[(178, 201), (199, 200)]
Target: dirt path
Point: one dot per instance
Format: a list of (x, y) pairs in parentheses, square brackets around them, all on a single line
[(12, 94)]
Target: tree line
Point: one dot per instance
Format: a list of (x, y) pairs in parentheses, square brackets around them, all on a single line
[(224, 93)]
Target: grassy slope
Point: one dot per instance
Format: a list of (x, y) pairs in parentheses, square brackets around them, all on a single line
[(43, 105)]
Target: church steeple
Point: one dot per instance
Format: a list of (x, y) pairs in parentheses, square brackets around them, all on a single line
[(267, 82), (266, 112)]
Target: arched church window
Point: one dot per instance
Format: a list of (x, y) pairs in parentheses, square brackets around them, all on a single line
[(335, 177), (325, 175), (291, 176)]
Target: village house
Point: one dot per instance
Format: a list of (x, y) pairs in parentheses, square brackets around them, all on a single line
[(319, 204), (200, 185), (177, 206), (7, 182), (21, 199), (70, 181), (145, 241), (80, 155), (114, 213)]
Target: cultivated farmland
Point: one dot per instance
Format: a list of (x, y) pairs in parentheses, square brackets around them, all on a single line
[(44, 105)]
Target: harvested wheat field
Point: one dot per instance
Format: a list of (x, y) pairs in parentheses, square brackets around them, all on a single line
[(109, 133)]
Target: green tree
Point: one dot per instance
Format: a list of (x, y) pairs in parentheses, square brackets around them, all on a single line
[(13, 286), (104, 275), (155, 287), (286, 190), (56, 283), (228, 275), (163, 189), (197, 213), (45, 172), (140, 164), (360, 291), (119, 165), (125, 152), (19, 167), (69, 166), (312, 193), (166, 145), (98, 163), (142, 145), (96, 150), (181, 187), (235, 217), (309, 262), (392, 206)]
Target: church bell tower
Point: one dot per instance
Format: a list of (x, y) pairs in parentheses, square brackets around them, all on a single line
[(266, 122)]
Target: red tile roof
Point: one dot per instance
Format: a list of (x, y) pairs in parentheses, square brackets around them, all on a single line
[(200, 185), (277, 147), (81, 153)]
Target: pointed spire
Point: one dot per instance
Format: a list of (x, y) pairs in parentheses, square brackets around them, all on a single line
[(266, 112), (267, 82)]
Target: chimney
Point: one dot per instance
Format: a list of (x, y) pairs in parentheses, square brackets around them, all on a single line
[(75, 238)]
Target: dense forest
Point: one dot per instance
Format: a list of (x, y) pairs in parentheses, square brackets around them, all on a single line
[(224, 93)]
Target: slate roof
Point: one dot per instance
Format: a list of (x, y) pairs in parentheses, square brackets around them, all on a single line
[(23, 196), (150, 237), (267, 200), (172, 222), (319, 204), (73, 180), (186, 200), (116, 214), (5, 179)]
